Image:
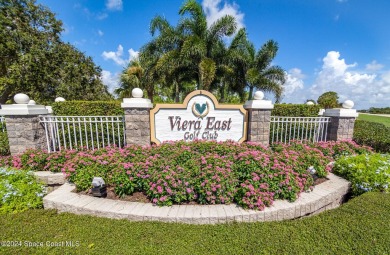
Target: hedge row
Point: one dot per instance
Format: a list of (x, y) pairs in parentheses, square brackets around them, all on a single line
[(372, 134), (296, 110), (91, 108), (87, 108)]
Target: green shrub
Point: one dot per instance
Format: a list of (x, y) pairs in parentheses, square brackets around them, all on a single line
[(366, 172), (19, 191), (4, 145), (372, 134), (296, 110), (87, 108)]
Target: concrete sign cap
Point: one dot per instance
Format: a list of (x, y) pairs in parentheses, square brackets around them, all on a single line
[(259, 95), (137, 93), (21, 98), (348, 104)]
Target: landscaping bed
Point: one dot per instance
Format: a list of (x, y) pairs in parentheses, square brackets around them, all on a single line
[(200, 172)]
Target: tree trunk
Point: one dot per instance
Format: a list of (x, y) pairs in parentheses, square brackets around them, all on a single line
[(5, 95), (177, 94), (223, 92), (150, 95), (250, 92)]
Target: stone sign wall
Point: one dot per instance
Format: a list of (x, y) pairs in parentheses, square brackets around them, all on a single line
[(199, 117)]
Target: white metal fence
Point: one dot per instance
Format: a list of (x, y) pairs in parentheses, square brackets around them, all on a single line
[(83, 132), (285, 129)]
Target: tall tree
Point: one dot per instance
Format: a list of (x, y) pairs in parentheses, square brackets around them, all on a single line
[(140, 73), (328, 100), (34, 60), (231, 63), (259, 73), (200, 40), (173, 70)]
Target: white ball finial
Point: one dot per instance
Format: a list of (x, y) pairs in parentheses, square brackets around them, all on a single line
[(32, 102), (309, 103), (259, 95), (348, 104), (21, 98), (59, 99), (137, 93)]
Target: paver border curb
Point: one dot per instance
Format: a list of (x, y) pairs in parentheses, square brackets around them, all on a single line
[(325, 196)]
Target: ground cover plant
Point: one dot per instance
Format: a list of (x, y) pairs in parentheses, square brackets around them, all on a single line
[(365, 172), (248, 174), (357, 227), (19, 191)]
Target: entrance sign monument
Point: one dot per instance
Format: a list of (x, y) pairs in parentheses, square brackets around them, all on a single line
[(199, 117)]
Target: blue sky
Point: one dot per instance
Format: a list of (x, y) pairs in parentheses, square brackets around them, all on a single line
[(324, 45)]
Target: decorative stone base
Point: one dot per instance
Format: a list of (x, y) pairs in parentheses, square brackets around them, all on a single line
[(341, 128), (325, 196), (137, 126), (259, 126), (52, 180), (24, 132)]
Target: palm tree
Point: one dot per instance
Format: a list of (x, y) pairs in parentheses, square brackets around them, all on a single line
[(140, 73), (230, 61), (260, 74), (172, 69), (200, 40)]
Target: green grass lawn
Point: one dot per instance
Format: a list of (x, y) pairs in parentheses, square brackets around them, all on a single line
[(360, 226), (373, 118)]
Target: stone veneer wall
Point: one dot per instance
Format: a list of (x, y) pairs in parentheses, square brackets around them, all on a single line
[(340, 128), (25, 132), (259, 122), (137, 126)]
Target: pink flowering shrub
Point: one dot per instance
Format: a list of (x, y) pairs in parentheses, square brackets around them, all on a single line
[(255, 197), (216, 183), (248, 174), (33, 159), (56, 161)]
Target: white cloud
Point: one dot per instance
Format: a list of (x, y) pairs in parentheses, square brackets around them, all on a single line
[(110, 80), (133, 54), (117, 56), (114, 5), (294, 82), (364, 89), (100, 32), (374, 66), (215, 10), (101, 16)]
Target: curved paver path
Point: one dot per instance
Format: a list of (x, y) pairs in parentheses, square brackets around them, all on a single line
[(325, 196)]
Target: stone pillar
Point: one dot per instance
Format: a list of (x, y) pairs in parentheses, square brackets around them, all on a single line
[(23, 127), (137, 118), (342, 122), (259, 118)]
